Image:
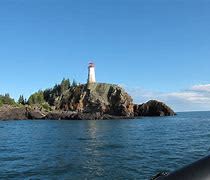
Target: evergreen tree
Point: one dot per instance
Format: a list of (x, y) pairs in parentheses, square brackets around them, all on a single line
[(65, 85), (21, 100), (74, 84), (7, 95), (52, 94)]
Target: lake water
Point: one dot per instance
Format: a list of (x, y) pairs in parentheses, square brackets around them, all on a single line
[(113, 149)]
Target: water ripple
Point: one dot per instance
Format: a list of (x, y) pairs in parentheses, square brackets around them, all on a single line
[(135, 149)]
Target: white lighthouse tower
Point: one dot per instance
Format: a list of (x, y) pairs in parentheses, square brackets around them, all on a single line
[(91, 73)]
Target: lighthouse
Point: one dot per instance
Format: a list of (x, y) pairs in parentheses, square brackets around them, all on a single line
[(91, 73)]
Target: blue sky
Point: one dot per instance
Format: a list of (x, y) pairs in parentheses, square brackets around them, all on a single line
[(156, 49)]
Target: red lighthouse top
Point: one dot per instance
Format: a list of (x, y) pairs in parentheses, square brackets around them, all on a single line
[(91, 64)]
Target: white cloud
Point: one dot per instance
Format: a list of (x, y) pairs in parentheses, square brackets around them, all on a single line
[(196, 98), (201, 88), (193, 97)]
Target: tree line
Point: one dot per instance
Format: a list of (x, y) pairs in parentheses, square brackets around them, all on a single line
[(45, 98)]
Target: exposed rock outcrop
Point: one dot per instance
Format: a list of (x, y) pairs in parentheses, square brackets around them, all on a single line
[(153, 108), (35, 114), (97, 98), (13, 113), (20, 113), (68, 115)]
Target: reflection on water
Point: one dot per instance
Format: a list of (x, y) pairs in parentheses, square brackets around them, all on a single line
[(115, 149)]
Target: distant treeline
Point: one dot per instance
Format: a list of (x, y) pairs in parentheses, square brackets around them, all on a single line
[(44, 98)]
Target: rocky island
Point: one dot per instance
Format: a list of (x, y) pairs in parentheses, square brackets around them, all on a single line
[(91, 101), (88, 101)]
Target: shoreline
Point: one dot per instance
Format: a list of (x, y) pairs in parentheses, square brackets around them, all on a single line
[(27, 113)]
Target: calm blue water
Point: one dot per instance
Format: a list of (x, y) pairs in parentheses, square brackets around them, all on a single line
[(115, 149)]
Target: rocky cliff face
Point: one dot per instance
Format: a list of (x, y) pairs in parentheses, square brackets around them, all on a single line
[(153, 108), (97, 97)]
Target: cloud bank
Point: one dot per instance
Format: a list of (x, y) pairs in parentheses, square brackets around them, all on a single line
[(195, 98)]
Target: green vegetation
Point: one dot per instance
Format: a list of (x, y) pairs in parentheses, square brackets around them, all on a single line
[(50, 95), (65, 85), (46, 106), (43, 99), (74, 84), (6, 99), (36, 98), (22, 101)]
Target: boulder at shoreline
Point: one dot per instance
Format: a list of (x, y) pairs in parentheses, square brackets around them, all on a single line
[(20, 113), (153, 108)]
